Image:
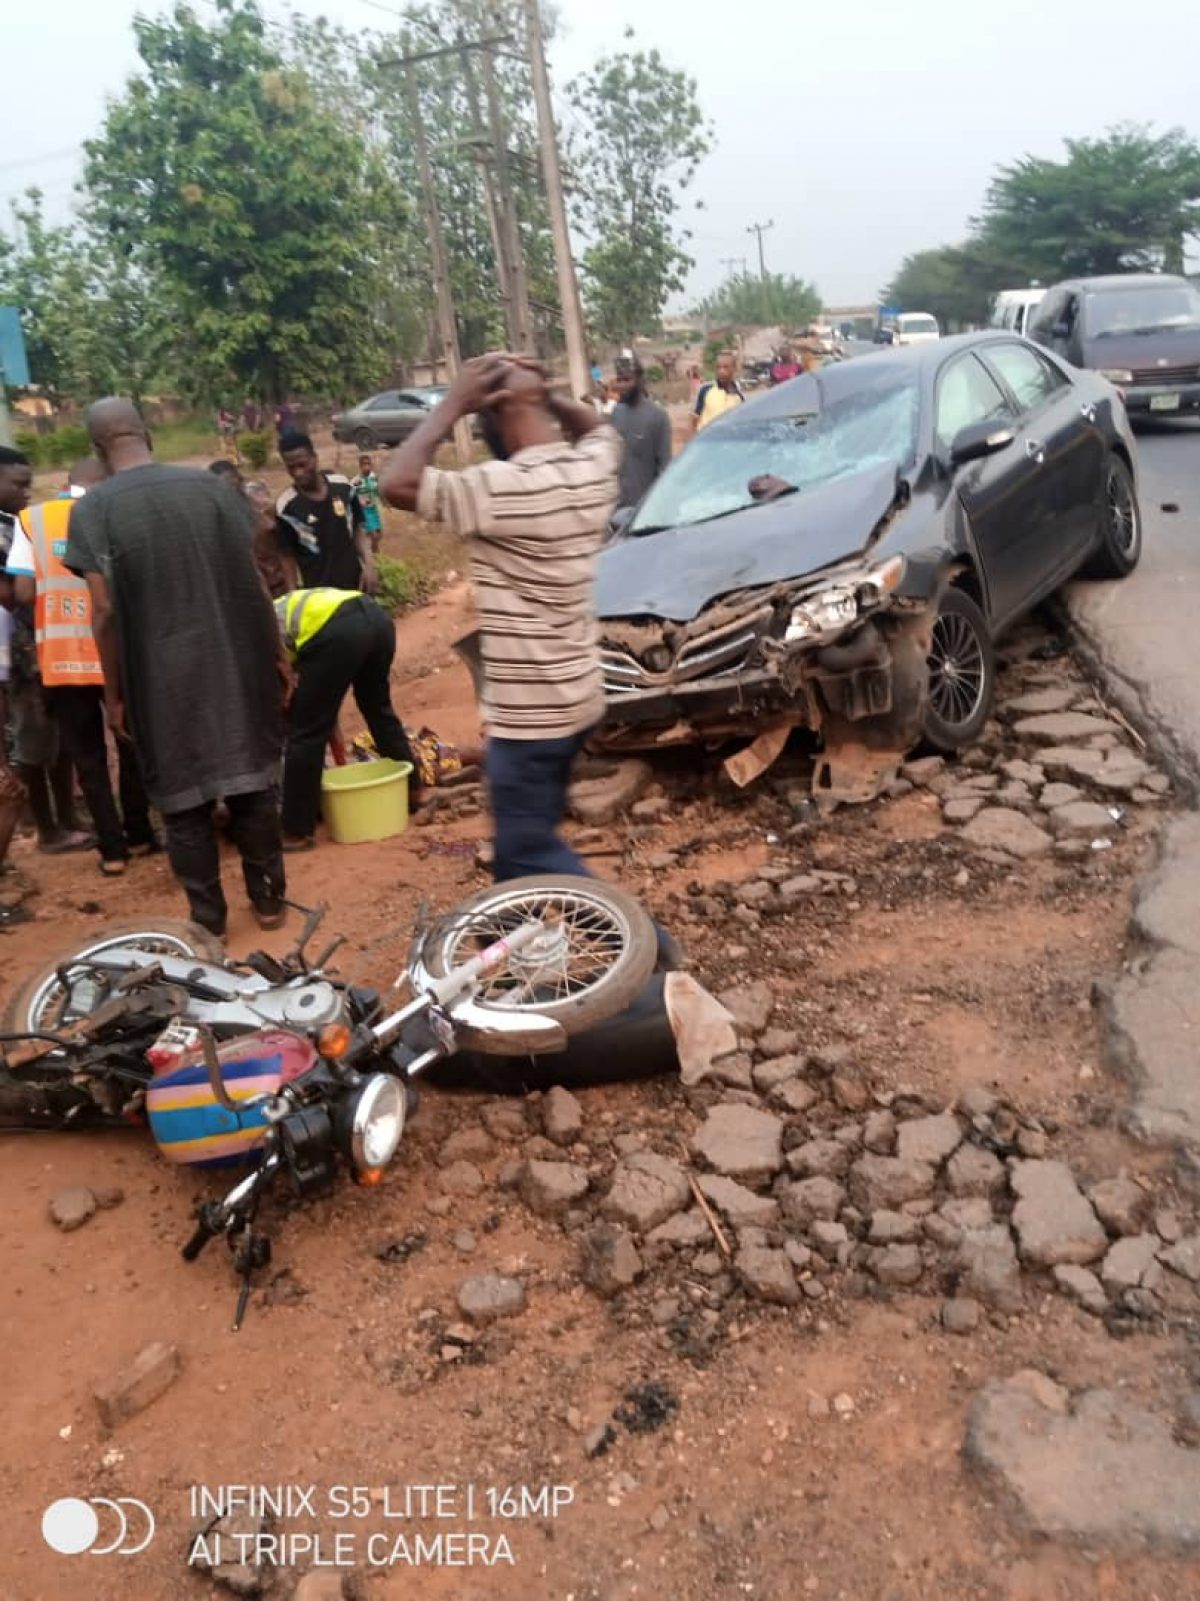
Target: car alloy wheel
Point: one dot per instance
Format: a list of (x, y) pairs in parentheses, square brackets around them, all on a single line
[(1121, 508), (365, 439), (962, 673), (956, 675), (1119, 542)]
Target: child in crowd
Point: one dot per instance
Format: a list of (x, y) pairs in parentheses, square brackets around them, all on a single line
[(367, 486)]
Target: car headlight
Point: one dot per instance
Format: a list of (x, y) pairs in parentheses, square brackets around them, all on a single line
[(830, 610), (378, 1122), (1117, 375)]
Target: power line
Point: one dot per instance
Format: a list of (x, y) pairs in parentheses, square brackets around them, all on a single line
[(33, 161)]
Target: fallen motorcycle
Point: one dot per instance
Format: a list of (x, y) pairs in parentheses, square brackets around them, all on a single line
[(273, 1065)]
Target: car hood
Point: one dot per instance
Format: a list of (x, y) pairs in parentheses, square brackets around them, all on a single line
[(676, 573), (1178, 347)]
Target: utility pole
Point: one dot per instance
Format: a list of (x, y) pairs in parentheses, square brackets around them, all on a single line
[(730, 262), (520, 314), (479, 142), (568, 286), (761, 228), (447, 328)]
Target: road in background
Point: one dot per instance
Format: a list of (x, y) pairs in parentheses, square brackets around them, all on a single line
[(1146, 630)]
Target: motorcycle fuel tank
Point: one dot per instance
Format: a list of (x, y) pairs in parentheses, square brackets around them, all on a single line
[(189, 1124)]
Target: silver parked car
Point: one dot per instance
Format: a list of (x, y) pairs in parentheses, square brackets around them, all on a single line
[(386, 418)]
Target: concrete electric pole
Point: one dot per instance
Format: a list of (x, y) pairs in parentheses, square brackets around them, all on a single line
[(447, 327), (521, 316), (761, 228), (568, 286)]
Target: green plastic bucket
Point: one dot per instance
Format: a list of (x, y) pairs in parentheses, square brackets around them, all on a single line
[(366, 800)]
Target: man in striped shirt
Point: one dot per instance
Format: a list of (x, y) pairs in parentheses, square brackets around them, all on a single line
[(535, 518)]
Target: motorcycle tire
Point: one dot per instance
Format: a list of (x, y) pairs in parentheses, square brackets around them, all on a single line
[(506, 903), (30, 1007), (637, 1043)]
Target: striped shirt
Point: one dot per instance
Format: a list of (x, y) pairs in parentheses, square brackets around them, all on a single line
[(536, 523)]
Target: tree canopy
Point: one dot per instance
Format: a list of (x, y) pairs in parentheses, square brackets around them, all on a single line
[(956, 283), (259, 215), (645, 136), (1125, 202), (775, 298), (250, 219)]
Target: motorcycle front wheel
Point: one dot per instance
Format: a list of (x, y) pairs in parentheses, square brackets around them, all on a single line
[(42, 1005), (599, 950)]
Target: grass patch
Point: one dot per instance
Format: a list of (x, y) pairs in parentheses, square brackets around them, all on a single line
[(194, 436)]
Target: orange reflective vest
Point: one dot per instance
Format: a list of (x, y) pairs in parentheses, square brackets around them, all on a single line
[(62, 618)]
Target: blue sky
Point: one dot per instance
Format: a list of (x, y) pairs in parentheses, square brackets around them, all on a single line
[(863, 131)]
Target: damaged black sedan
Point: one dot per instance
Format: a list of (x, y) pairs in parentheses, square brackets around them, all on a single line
[(841, 552)]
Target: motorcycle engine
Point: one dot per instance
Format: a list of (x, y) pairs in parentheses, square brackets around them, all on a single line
[(305, 1006)]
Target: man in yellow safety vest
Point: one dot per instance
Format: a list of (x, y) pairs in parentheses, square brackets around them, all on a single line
[(337, 640), (71, 675)]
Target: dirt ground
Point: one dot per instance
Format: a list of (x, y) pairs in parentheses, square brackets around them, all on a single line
[(794, 1452)]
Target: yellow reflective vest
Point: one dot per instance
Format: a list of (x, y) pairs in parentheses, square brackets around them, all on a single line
[(304, 613)]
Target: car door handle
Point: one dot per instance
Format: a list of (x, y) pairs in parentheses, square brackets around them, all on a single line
[(1088, 411), (1035, 451)]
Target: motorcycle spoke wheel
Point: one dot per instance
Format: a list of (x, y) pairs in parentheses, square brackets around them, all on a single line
[(43, 1004), (598, 949)]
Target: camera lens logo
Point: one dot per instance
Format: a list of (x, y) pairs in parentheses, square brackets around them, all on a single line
[(72, 1526)]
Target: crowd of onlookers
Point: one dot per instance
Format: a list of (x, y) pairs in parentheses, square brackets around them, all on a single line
[(196, 635)]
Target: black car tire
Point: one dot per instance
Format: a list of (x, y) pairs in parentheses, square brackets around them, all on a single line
[(365, 439), (962, 674), (1120, 545)]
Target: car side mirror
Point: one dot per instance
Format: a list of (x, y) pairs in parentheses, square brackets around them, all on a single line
[(980, 439), (618, 523)]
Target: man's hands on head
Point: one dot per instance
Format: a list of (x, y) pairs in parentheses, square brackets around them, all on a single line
[(493, 380), (478, 383)]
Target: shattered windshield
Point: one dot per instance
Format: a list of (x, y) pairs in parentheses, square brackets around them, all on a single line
[(851, 428)]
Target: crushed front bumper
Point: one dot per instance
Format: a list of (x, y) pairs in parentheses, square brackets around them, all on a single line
[(737, 678)]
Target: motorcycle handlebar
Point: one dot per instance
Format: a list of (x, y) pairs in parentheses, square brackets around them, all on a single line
[(197, 1243)]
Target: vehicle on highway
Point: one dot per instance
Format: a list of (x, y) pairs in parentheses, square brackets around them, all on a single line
[(841, 552), (1014, 309), (386, 418), (1141, 330), (916, 328)]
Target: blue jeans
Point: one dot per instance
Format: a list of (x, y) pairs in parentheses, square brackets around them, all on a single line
[(527, 787)]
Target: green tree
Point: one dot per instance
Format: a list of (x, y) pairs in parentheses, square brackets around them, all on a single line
[(956, 283), (91, 321), (42, 275), (1125, 201), (750, 301), (645, 136), (232, 181)]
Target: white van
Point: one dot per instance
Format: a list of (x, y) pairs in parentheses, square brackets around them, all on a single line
[(916, 328), (1014, 309)]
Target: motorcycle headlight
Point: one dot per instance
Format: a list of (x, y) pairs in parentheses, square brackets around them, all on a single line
[(378, 1122), (828, 611), (1117, 375)]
